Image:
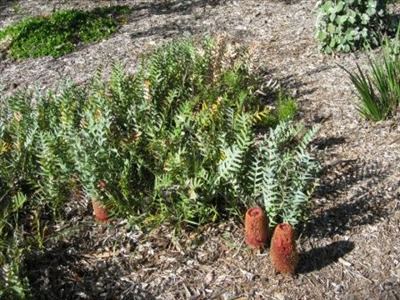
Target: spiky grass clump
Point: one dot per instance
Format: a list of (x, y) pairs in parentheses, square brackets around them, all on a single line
[(283, 250), (379, 91)]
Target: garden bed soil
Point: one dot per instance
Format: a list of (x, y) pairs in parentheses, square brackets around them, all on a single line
[(349, 250)]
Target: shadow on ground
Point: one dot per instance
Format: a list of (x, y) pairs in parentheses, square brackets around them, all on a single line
[(74, 270), (348, 207), (329, 142), (317, 258), (178, 6), (5, 4), (165, 31), (173, 27)]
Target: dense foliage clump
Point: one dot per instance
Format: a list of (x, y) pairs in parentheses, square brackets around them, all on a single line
[(61, 32), (349, 25), (187, 139), (176, 140)]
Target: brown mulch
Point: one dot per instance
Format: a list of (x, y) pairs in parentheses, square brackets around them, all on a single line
[(349, 250)]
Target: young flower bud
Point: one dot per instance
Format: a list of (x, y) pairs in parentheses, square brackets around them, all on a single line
[(99, 211), (283, 251), (256, 228)]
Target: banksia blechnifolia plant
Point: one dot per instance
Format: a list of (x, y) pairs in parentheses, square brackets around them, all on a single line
[(283, 251), (256, 228)]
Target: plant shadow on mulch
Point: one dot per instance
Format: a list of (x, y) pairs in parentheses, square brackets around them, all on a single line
[(69, 271), (288, 84), (4, 4), (365, 206), (328, 142), (318, 258), (166, 31), (394, 21), (178, 6), (337, 214)]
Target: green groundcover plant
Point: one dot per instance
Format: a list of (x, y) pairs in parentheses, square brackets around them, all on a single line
[(61, 32), (187, 139)]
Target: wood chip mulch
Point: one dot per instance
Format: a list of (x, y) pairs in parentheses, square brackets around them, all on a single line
[(349, 250)]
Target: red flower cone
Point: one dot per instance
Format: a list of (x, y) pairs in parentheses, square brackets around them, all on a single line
[(283, 251), (99, 211), (256, 228)]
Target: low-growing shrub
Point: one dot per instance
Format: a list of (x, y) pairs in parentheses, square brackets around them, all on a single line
[(36, 178), (184, 139), (62, 32), (349, 25), (35, 153), (182, 129), (379, 91)]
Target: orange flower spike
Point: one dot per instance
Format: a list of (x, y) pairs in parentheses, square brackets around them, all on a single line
[(102, 184), (256, 228), (283, 251), (99, 211)]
